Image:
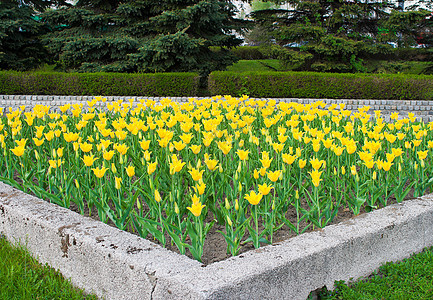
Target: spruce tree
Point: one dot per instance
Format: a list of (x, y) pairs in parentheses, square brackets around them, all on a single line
[(144, 35), (20, 29), (330, 35)]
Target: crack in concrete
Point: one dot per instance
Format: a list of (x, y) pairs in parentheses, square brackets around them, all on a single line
[(153, 281)]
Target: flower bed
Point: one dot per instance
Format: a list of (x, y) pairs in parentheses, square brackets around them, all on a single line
[(173, 170)]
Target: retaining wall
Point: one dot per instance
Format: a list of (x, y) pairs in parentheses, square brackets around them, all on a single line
[(422, 109)]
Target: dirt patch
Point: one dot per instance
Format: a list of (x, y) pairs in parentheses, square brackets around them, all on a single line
[(215, 248)]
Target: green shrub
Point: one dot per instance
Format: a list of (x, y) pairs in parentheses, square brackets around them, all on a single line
[(321, 85), (248, 52), (115, 84)]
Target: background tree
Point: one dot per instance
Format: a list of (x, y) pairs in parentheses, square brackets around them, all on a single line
[(332, 35), (20, 46), (144, 36)]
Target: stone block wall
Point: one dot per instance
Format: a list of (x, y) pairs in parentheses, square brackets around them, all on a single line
[(422, 109)]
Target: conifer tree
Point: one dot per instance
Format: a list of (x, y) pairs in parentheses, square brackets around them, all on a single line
[(144, 35), (20, 46), (333, 35)]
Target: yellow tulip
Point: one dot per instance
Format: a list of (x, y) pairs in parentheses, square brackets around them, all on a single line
[(196, 174), (60, 152), (179, 145), (99, 172), (196, 206), (273, 176), (108, 155), (144, 144), (315, 177), (195, 149), (264, 189), (85, 147), (157, 196), (211, 163), (38, 142), (151, 167), (89, 160), (53, 163), (243, 154), (130, 171), (369, 164), (201, 187), (422, 154), (176, 165), (225, 147), (316, 164), (253, 198), (117, 182), (121, 148), (302, 163), (387, 165)]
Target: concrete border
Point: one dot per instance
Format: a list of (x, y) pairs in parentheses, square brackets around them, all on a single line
[(422, 109), (118, 265)]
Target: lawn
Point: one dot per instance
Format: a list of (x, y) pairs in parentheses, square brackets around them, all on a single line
[(22, 277), (411, 278)]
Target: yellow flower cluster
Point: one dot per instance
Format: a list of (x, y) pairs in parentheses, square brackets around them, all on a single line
[(251, 152)]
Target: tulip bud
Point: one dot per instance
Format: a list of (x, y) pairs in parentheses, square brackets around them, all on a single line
[(176, 208), (236, 175), (77, 184), (415, 166), (227, 204), (220, 168), (297, 195), (36, 155), (240, 187), (229, 221), (422, 163), (273, 204), (239, 168), (138, 204), (54, 154), (374, 175), (236, 205), (121, 159), (157, 196), (198, 164), (113, 168), (356, 177), (335, 171)]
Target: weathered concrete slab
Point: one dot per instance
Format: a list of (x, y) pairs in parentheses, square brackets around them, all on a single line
[(118, 265)]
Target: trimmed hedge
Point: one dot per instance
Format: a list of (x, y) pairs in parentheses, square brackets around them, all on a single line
[(104, 84), (322, 85)]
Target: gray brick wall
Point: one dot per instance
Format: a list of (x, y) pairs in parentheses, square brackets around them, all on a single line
[(422, 109)]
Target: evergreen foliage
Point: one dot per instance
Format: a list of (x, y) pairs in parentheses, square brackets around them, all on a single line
[(333, 35), (20, 46), (144, 35)]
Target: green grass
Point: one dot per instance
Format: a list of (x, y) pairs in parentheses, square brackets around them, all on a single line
[(411, 278), (22, 277), (256, 66), (371, 66)]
